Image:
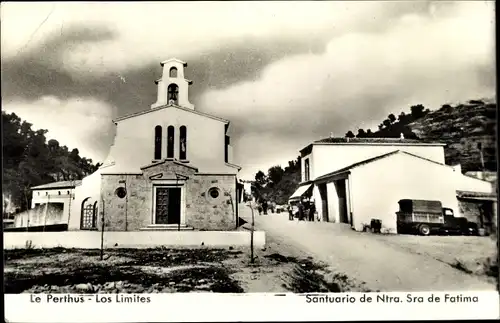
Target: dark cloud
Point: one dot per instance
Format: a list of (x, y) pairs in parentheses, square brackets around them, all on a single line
[(230, 74), (39, 71)]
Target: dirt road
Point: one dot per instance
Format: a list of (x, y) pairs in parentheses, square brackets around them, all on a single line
[(363, 258)]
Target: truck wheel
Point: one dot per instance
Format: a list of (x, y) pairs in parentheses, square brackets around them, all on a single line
[(424, 230)]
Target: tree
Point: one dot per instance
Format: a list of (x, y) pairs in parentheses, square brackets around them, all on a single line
[(361, 133), (447, 108), (381, 126), (387, 123), (350, 134), (369, 133), (275, 174), (417, 111), (260, 178), (29, 160), (408, 133), (392, 118), (402, 117)]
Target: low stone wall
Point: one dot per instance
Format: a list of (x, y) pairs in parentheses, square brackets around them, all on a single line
[(137, 239)]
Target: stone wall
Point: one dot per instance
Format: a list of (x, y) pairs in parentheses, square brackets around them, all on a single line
[(130, 213), (203, 211), (470, 210)]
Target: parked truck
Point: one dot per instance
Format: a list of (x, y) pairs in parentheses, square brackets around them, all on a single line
[(427, 217)]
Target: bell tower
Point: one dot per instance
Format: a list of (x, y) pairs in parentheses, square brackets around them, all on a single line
[(173, 88)]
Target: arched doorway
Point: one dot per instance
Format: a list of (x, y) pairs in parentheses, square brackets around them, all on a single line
[(88, 218)]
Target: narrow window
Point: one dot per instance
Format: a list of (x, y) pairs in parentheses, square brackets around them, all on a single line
[(157, 142), (173, 72), (46, 193), (170, 141), (306, 169), (183, 143), (173, 93), (226, 149), (59, 193)]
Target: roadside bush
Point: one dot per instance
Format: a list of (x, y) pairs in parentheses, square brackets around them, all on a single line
[(29, 245)]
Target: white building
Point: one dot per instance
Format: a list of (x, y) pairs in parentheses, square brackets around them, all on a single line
[(51, 205), (355, 180)]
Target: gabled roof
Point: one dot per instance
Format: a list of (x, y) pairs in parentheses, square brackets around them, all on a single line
[(169, 106), (173, 60), (61, 184), (370, 160), (173, 161)]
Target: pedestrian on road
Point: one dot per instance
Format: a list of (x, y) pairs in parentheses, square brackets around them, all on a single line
[(290, 212), (312, 211), (301, 211), (264, 207)]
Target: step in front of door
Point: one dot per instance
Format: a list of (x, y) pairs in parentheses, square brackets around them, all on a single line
[(167, 227)]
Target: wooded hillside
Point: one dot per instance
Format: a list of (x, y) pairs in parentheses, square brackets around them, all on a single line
[(29, 160), (468, 129)]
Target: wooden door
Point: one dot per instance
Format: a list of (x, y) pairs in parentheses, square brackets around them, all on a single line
[(168, 205)]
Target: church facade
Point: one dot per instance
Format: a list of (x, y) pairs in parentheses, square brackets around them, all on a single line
[(168, 169)]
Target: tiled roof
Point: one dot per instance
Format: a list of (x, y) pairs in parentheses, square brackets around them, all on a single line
[(476, 195), (62, 184), (353, 141), (374, 140)]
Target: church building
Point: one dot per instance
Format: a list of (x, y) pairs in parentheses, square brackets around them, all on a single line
[(168, 169)]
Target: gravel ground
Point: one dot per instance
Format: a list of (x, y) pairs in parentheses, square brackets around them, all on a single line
[(384, 263), (299, 257), (473, 255), (122, 271), (61, 270)]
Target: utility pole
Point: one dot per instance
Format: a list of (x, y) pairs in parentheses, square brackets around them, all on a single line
[(102, 231), (71, 190), (480, 148), (28, 211), (251, 235), (46, 213)]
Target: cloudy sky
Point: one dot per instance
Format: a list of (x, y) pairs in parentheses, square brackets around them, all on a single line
[(284, 73)]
